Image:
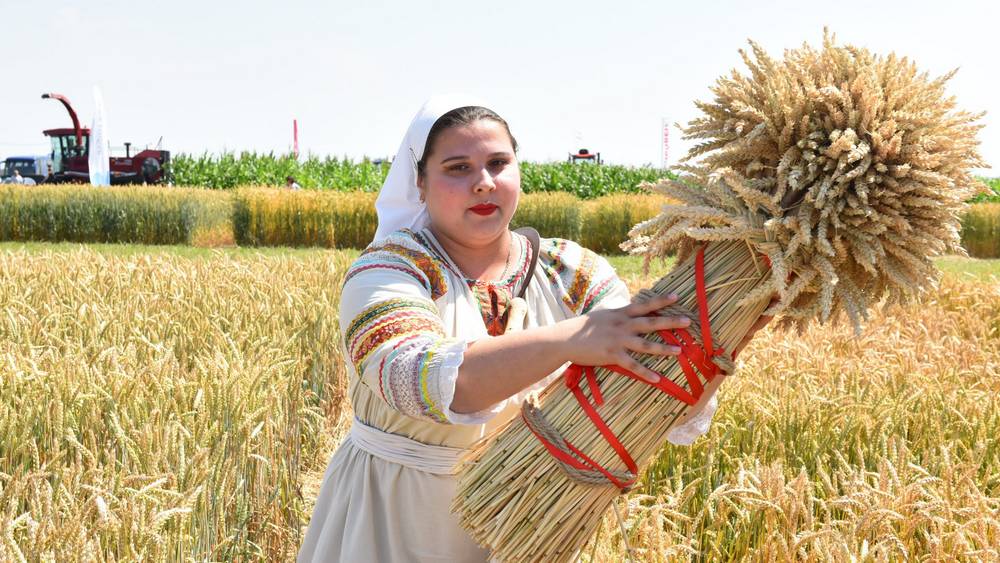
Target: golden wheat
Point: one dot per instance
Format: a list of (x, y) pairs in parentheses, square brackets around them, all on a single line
[(158, 408), (266, 216), (162, 408)]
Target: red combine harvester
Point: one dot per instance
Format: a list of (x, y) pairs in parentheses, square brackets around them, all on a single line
[(70, 150), (583, 155)]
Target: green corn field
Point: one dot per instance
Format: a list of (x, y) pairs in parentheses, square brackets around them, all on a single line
[(230, 170)]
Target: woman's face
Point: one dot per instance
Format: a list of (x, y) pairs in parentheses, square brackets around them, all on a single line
[(471, 182)]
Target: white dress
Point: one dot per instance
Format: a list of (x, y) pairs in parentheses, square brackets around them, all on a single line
[(407, 314)]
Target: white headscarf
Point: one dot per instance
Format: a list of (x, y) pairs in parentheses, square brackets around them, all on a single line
[(398, 204)]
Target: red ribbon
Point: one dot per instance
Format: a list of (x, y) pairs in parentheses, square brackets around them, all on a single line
[(692, 359)]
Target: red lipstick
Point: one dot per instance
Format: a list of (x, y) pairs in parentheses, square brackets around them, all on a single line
[(483, 208)]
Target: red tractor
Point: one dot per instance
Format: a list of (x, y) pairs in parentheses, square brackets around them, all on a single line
[(583, 155), (70, 150)]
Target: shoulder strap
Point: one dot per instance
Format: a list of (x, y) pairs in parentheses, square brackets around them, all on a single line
[(535, 241)]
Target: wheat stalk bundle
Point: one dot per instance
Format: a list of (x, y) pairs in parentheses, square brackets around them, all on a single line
[(829, 178)]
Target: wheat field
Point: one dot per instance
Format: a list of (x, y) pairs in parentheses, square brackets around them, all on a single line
[(162, 406)]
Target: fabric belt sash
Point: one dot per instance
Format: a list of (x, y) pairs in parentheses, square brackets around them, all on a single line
[(438, 460)]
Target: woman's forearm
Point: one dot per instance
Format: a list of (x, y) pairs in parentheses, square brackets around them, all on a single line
[(496, 368)]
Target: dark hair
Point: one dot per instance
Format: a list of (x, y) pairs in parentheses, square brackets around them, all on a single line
[(458, 117), (289, 179)]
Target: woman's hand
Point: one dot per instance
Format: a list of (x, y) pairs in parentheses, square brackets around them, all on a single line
[(497, 368), (605, 337)]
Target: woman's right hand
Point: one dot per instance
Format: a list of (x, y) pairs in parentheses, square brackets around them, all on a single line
[(605, 337)]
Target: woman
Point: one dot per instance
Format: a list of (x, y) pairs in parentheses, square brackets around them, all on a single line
[(423, 315)]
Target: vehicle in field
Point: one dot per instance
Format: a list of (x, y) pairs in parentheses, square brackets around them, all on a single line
[(36, 168), (70, 152), (584, 155)]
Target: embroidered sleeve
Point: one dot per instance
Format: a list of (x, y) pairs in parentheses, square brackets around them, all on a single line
[(394, 337), (584, 279)]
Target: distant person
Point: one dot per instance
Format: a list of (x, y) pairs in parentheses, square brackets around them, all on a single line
[(17, 178), (291, 184)]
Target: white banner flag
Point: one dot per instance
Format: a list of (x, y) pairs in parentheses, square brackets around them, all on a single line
[(665, 140), (98, 160)]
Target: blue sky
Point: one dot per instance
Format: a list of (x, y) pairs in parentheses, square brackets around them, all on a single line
[(228, 75)]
